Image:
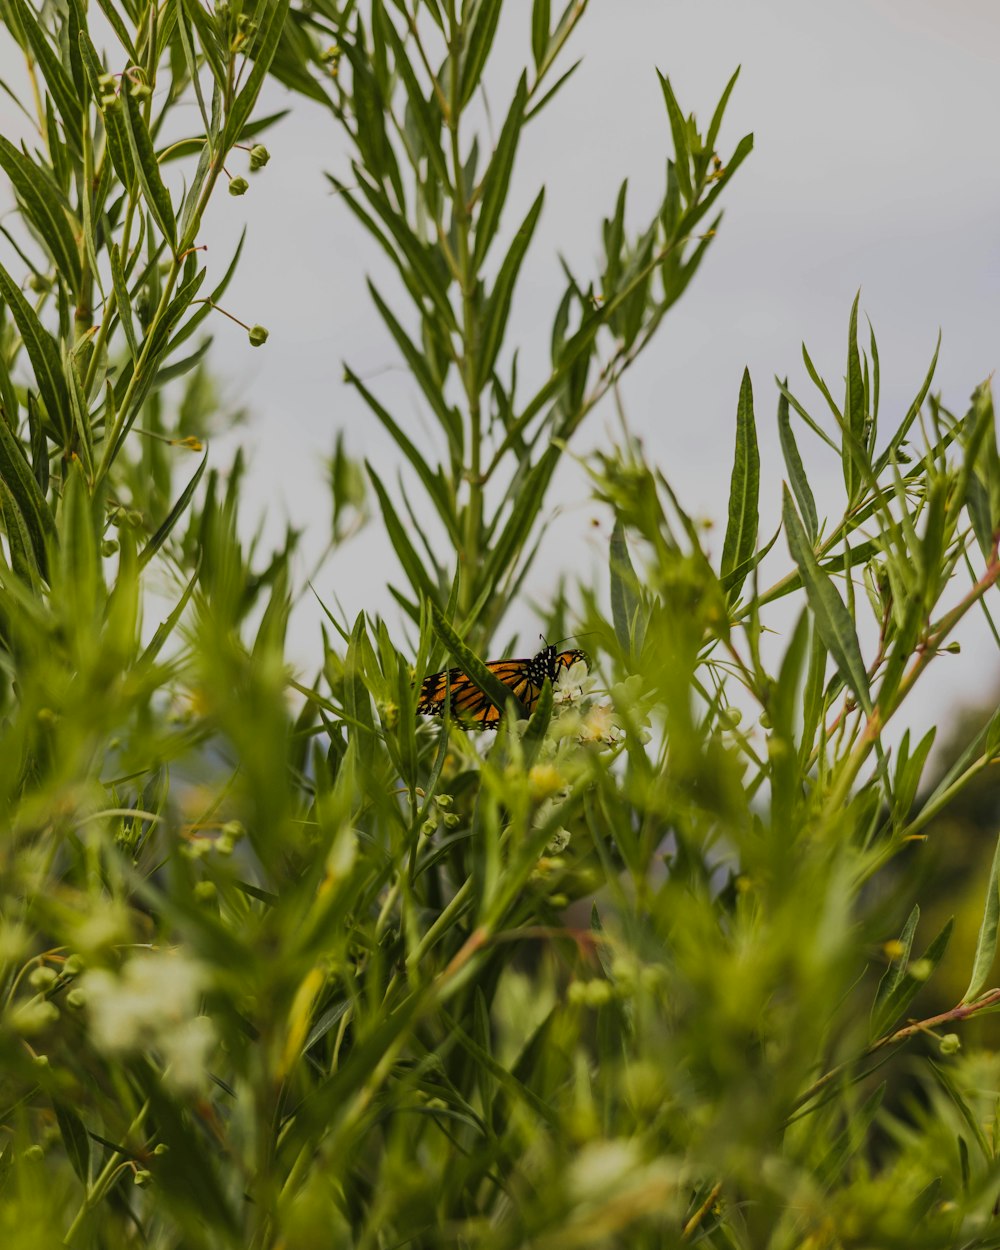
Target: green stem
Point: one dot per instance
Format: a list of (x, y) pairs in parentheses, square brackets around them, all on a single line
[(473, 519), (105, 1179)]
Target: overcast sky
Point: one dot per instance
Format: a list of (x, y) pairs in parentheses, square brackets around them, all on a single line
[(875, 166)]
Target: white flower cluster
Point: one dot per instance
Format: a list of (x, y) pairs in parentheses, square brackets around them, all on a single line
[(595, 723), (151, 1003)]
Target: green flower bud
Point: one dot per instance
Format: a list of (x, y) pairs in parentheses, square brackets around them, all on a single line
[(42, 977), (258, 336), (109, 547), (238, 186), (950, 1044), (259, 156)]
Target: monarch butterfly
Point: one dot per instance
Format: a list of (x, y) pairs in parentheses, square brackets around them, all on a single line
[(523, 678)]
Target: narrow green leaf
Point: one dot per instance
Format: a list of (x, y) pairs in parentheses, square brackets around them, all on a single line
[(697, 211), (42, 207), (796, 473), (122, 297), (42, 352), (271, 19), (498, 304), (712, 134), (560, 82), (904, 988), (39, 446), (986, 943), (678, 130), (167, 626), (833, 621), (541, 716), (75, 1139), (78, 582), (433, 482), (431, 386), (541, 19), (893, 976), (22, 555), (57, 80), (427, 115), (17, 475), (854, 407), (625, 598), (173, 516), (154, 192), (83, 444), (911, 415), (111, 12), (478, 47), (515, 532), (849, 1141), (405, 551), (191, 60), (744, 490), (416, 261), (497, 178), (114, 124)]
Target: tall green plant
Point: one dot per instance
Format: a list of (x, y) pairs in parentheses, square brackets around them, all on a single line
[(287, 975)]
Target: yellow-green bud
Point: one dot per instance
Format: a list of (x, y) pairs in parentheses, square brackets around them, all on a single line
[(259, 156), (238, 186), (258, 336)]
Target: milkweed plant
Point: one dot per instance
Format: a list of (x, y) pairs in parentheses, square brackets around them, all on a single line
[(285, 965)]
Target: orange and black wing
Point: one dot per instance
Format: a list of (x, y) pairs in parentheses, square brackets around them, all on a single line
[(467, 702)]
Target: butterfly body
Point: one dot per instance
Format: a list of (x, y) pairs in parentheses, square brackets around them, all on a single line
[(523, 678)]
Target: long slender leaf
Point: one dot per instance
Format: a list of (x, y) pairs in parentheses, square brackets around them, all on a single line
[(744, 490), (833, 620), (17, 475), (498, 304), (986, 942), (796, 472), (154, 192), (478, 48), (271, 18), (497, 179), (43, 209), (42, 352)]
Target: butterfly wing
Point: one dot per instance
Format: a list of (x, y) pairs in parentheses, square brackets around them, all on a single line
[(468, 703), (524, 678)]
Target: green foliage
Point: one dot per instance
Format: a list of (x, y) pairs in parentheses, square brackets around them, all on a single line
[(283, 966)]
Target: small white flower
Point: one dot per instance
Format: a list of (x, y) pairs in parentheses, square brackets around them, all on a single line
[(153, 1003), (599, 725), (572, 683)]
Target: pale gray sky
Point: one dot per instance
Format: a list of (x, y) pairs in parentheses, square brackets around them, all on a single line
[(876, 166)]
